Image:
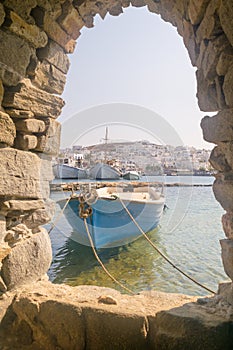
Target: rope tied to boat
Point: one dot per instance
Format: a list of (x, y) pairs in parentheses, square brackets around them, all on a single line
[(162, 254)]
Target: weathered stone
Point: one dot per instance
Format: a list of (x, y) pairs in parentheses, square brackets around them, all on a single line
[(224, 62), (223, 191), (227, 223), (70, 20), (227, 256), (19, 174), (1, 92), (126, 3), (13, 62), (25, 142), (27, 97), (40, 216), (211, 56), (196, 10), (17, 234), (30, 125), (29, 32), (3, 287), (55, 32), (227, 86), (206, 93), (226, 18), (202, 49), (218, 128), (22, 205), (153, 7), (55, 55), (116, 10), (2, 228), (227, 149), (4, 250), (225, 291), (138, 3), (49, 78), (7, 129), (210, 26), (46, 172), (18, 113), (22, 8), (2, 14), (50, 142), (28, 260), (189, 41), (219, 93), (218, 160)]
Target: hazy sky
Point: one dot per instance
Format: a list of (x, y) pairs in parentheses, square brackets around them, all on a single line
[(135, 58)]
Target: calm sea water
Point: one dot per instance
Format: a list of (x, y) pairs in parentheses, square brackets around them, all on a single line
[(189, 235)]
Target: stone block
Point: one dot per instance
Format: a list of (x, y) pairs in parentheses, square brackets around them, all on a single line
[(30, 125), (47, 77), (2, 228), (210, 26), (34, 35), (28, 261), (211, 56), (227, 256), (116, 10), (218, 160), (56, 33), (22, 205), (1, 92), (223, 192), (70, 20), (153, 7), (206, 93), (46, 172), (41, 216), (218, 128), (227, 149), (19, 113), (14, 62), (25, 142), (219, 93), (19, 174), (7, 129), (138, 3), (196, 10), (50, 142), (55, 55), (225, 291), (4, 250), (2, 14), (226, 18), (27, 97), (22, 8), (227, 86), (225, 61), (227, 223)]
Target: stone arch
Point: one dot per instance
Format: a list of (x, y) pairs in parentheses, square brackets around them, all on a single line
[(40, 35)]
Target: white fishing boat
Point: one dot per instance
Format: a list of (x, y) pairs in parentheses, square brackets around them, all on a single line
[(65, 171), (110, 225), (131, 175), (102, 171)]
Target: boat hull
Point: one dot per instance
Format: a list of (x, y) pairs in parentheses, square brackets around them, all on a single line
[(63, 171), (103, 171), (110, 225), (131, 175)]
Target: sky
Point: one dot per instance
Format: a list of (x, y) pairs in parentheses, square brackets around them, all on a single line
[(134, 59)]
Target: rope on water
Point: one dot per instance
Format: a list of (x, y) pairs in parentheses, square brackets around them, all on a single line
[(160, 253), (101, 263)]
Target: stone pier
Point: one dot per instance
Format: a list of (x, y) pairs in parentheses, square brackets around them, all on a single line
[(36, 38)]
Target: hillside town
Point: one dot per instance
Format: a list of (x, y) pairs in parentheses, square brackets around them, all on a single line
[(143, 156)]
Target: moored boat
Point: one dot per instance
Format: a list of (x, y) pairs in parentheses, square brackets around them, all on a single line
[(110, 225), (102, 171), (65, 171), (131, 175)]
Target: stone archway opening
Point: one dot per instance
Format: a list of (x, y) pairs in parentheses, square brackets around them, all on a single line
[(33, 71)]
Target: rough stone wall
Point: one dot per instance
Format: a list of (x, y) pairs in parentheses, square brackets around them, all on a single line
[(36, 36)]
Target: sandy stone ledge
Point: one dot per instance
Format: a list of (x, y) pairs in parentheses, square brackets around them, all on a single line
[(48, 316)]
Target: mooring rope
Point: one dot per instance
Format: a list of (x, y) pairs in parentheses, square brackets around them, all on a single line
[(53, 224), (162, 254), (101, 263)]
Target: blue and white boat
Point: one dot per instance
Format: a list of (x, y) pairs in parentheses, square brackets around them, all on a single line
[(110, 225)]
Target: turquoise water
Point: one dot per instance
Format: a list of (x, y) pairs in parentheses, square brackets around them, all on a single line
[(189, 235)]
